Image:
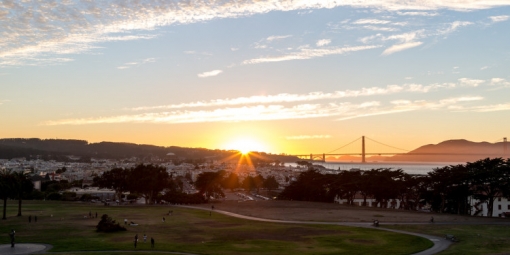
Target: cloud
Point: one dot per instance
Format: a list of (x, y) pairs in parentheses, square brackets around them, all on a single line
[(209, 74), (371, 21), (308, 54), (470, 82), (454, 26), (400, 47), (427, 14), (500, 18), (44, 29), (306, 137), (138, 63), (387, 29), (323, 42), (492, 108), (277, 37), (313, 96)]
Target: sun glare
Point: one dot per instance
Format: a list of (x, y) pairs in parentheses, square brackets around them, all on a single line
[(245, 145)]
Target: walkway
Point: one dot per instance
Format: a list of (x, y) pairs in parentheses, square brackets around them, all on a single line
[(440, 244)]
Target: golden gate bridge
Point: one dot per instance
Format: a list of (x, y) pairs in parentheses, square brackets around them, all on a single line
[(322, 156)]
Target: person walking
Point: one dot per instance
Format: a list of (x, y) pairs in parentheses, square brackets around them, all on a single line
[(144, 238), (136, 240), (12, 236), (152, 242)]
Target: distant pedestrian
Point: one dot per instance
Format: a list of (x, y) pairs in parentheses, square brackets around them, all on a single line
[(96, 214), (12, 236), (431, 219), (35, 218), (90, 214), (164, 219), (152, 242), (125, 221), (212, 207), (29, 218), (144, 238), (136, 240)]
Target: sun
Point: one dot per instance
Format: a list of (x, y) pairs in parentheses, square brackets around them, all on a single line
[(245, 145)]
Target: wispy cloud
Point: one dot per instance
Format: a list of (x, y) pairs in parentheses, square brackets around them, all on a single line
[(454, 26), (309, 53), (400, 47), (307, 137), (419, 13), (341, 111), (277, 37), (500, 18), (323, 42), (370, 21), (137, 63), (319, 95), (209, 74), (46, 29)]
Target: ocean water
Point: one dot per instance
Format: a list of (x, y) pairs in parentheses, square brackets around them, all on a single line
[(408, 167)]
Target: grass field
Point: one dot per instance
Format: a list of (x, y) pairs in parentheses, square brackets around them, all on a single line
[(473, 239), (191, 231)]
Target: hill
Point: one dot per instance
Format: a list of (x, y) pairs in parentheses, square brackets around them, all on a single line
[(80, 150), (454, 151)]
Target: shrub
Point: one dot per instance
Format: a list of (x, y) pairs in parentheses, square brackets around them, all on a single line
[(107, 224)]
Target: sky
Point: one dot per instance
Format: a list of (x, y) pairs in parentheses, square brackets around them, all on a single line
[(294, 77)]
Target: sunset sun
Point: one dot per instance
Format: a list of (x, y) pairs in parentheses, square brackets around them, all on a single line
[(246, 145)]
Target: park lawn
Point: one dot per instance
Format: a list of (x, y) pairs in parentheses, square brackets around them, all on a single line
[(473, 239), (64, 225)]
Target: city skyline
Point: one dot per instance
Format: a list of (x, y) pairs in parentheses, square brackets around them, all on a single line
[(276, 76)]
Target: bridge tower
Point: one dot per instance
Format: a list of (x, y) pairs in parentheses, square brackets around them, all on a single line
[(505, 148), (363, 149)]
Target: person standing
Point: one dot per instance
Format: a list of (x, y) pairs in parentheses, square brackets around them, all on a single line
[(12, 235), (152, 242), (136, 240), (35, 219), (29, 218), (144, 238)]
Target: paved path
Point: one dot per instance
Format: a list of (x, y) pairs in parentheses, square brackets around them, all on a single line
[(440, 244), (24, 248)]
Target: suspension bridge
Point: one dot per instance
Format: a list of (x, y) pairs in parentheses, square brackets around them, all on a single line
[(322, 156)]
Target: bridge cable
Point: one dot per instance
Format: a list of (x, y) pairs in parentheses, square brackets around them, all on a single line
[(499, 140), (344, 145), (386, 145)]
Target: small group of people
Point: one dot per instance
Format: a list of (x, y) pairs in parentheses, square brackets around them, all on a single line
[(30, 218), (144, 240)]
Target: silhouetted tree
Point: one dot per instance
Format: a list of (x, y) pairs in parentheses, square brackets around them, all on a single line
[(147, 180), (209, 184), (270, 183), (22, 185)]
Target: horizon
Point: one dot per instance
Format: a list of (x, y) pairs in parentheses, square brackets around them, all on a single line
[(272, 76)]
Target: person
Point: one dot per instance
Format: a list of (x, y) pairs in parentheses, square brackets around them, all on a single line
[(12, 235), (152, 242), (125, 221), (144, 238), (431, 219), (90, 214), (29, 218), (376, 223), (35, 218), (212, 207), (163, 219), (136, 239), (96, 214)]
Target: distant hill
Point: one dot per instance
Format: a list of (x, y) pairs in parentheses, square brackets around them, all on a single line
[(61, 150), (454, 151)]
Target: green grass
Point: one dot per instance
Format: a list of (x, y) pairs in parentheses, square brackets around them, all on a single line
[(473, 239), (192, 231)]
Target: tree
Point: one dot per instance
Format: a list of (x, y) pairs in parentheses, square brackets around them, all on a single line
[(116, 179), (6, 181), (147, 180), (490, 179), (270, 183), (310, 186), (22, 185), (231, 181), (209, 184)]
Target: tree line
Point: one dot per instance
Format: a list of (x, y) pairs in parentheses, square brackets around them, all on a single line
[(446, 189)]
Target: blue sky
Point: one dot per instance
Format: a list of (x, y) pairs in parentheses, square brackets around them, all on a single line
[(289, 76)]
